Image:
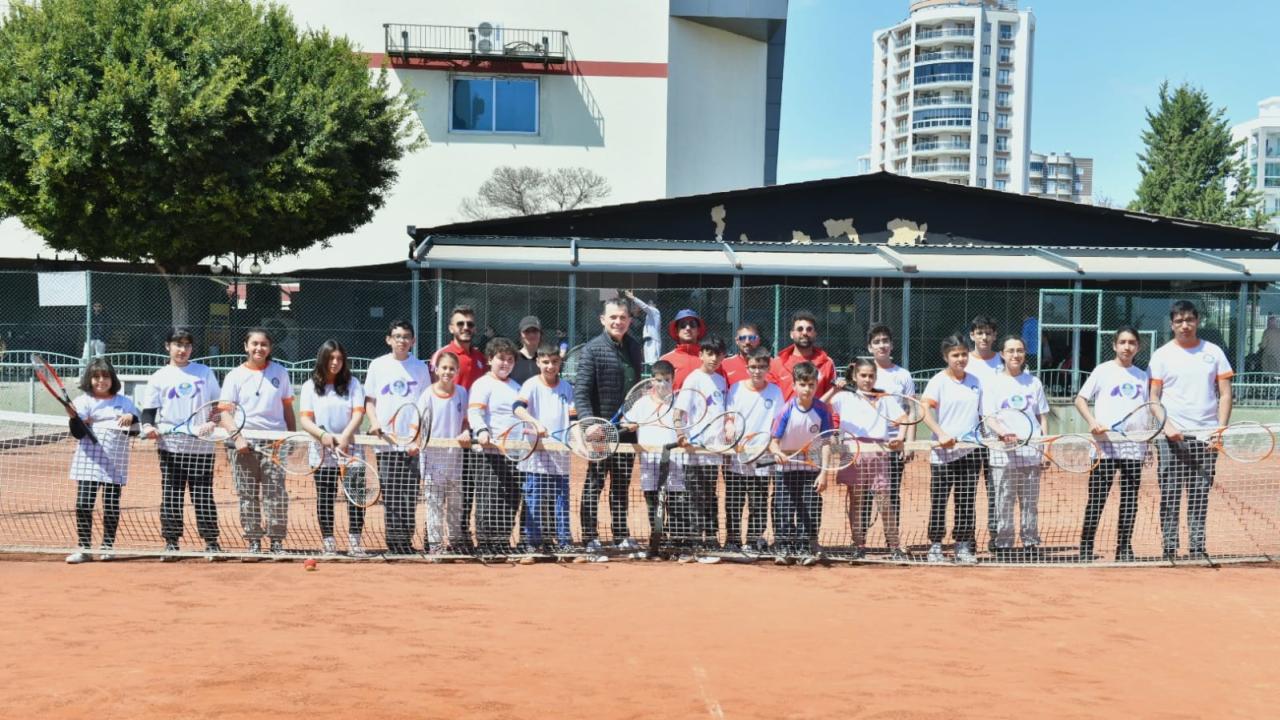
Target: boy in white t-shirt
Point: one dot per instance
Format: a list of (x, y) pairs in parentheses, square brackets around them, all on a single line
[(445, 402), (984, 364), (656, 435), (170, 396), (953, 401), (702, 470), (546, 400), (392, 381), (490, 412), (758, 401), (1192, 378), (890, 378)]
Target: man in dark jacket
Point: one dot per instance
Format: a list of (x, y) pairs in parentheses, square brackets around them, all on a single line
[(608, 366)]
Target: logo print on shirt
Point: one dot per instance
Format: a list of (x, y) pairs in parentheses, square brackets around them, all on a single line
[(185, 389), (1017, 402), (1127, 390), (1207, 358), (813, 428), (399, 387), (768, 403), (275, 383)]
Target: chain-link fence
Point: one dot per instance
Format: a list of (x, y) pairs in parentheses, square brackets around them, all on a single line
[(1068, 329)]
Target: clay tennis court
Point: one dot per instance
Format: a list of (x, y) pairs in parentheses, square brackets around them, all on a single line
[(141, 639)]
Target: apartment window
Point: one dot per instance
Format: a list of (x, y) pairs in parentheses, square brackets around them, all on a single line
[(986, 27), (1002, 121), (1037, 167), (1002, 98), (1271, 175), (986, 49), (983, 117), (986, 72), (986, 94), (1002, 143), (1002, 77), (982, 139), (1006, 31), (495, 105), (1002, 184), (1006, 54), (1079, 188), (982, 182), (1002, 165), (982, 161)]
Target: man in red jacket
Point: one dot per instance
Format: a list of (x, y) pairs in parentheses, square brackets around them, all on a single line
[(471, 361), (687, 329), (735, 366), (804, 336)]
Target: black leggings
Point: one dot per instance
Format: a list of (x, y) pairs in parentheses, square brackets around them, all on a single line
[(180, 473), (1100, 486), (326, 494), (86, 496)]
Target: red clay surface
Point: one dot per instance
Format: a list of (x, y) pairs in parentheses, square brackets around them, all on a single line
[(141, 639)]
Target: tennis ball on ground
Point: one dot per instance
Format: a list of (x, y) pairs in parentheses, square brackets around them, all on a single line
[(309, 565)]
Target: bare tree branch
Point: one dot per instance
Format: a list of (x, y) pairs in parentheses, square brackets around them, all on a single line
[(569, 188), (530, 191)]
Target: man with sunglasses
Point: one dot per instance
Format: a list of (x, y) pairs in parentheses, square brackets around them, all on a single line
[(471, 367), (687, 330), (735, 366), (803, 348)]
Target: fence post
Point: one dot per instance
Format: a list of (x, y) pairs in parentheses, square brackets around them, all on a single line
[(88, 316), (777, 310), (735, 301), (905, 357), (1242, 325), (1075, 336), (414, 304), (439, 308), (573, 309)]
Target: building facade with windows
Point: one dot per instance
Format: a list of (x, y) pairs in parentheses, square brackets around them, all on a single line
[(1261, 137), (951, 93), (661, 98), (1060, 176)]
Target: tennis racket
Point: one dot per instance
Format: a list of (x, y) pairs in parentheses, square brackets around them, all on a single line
[(1073, 452), (214, 421), (405, 427), (751, 448), (1142, 424), (660, 505), (1246, 442), (592, 438), (720, 434), (904, 410), (293, 454), (828, 451), (48, 377), (688, 408), (361, 483), (1005, 429), (645, 404)]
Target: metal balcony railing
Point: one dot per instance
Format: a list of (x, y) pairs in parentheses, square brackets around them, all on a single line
[(480, 42)]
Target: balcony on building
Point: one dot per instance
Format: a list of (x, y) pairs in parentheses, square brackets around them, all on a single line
[(483, 42), (942, 168), (948, 79)]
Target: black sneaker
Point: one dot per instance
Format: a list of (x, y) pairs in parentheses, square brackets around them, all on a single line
[(212, 550), (1200, 554), (1170, 554)]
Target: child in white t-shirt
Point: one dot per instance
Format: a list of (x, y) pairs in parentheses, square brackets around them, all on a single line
[(953, 402), (445, 402), (702, 470), (546, 400), (491, 412), (1015, 474), (758, 401), (107, 414)]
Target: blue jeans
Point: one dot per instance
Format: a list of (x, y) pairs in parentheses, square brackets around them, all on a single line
[(797, 510), (539, 513)]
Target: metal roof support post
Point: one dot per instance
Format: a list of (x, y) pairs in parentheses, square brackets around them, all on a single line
[(905, 354), (1075, 336), (415, 305), (439, 308), (573, 307), (735, 302), (777, 318), (1242, 325)]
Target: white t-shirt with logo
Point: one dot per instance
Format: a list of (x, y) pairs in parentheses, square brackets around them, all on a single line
[(1115, 391), (107, 461), (448, 413), (553, 407), (715, 389), (331, 412), (958, 405), (492, 406), (866, 418), (176, 392), (655, 436), (1189, 378), (392, 383), (896, 380), (1023, 393), (760, 410), (261, 393)]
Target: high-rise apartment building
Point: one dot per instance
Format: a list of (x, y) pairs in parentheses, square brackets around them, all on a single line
[(951, 97), (1060, 176), (1262, 152)]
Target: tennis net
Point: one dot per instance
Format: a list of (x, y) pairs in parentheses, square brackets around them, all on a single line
[(465, 504)]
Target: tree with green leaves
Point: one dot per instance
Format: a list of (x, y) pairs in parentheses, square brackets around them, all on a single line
[(1191, 168), (172, 131)]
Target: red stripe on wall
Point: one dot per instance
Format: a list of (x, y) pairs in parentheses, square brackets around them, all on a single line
[(596, 68)]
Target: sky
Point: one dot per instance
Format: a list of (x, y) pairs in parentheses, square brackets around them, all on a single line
[(1097, 67)]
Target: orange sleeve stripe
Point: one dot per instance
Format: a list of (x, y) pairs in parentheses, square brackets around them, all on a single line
[(477, 405), (1157, 382), (288, 401), (357, 411), (1227, 375), (308, 414), (931, 403)]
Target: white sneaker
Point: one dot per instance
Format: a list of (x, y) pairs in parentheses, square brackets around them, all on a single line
[(628, 545), (105, 554), (329, 546), (964, 554), (354, 548), (708, 559), (935, 554), (76, 558)]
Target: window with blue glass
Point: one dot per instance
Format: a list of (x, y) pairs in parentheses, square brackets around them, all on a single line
[(951, 70), (494, 105)]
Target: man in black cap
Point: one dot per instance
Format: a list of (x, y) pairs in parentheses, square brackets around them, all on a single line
[(527, 356)]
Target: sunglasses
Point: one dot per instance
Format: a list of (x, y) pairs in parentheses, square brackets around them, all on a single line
[(748, 338), (806, 330), (687, 324), (465, 323)]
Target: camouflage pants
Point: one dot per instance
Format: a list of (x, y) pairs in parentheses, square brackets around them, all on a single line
[(260, 485)]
